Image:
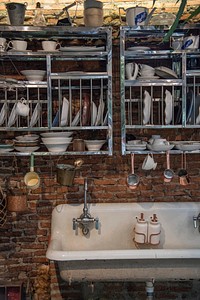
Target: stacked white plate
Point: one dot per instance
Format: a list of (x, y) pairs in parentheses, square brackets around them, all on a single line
[(27, 143), (136, 145)]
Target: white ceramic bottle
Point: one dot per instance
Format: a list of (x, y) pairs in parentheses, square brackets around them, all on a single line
[(154, 231), (39, 19), (141, 230)]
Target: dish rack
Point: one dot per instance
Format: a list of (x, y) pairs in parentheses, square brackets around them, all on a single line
[(75, 76), (168, 99)]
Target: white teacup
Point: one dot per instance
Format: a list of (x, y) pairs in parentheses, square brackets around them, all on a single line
[(3, 44), (149, 163), (22, 109), (131, 70), (18, 45), (50, 45)]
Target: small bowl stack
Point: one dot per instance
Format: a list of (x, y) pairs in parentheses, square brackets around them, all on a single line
[(59, 142), (94, 145), (27, 143)]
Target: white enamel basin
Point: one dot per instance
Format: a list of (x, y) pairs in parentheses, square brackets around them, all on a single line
[(110, 253)]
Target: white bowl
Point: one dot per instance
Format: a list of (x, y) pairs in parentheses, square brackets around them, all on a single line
[(94, 145), (27, 149), (56, 134), (57, 148), (56, 140), (27, 137), (34, 75)]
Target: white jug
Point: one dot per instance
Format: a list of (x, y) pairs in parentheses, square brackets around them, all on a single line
[(138, 16), (191, 42)]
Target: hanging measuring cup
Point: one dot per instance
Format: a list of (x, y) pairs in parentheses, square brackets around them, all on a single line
[(32, 179)]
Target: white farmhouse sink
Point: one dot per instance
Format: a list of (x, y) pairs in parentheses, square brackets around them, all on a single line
[(110, 252)]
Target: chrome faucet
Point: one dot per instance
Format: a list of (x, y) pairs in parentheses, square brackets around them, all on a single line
[(85, 218), (196, 219)]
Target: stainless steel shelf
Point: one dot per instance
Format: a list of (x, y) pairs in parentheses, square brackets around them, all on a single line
[(49, 94), (184, 90)]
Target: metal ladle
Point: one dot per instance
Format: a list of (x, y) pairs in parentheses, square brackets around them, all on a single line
[(168, 173), (183, 174), (132, 179)]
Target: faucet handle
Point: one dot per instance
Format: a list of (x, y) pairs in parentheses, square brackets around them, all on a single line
[(97, 223), (74, 224), (195, 221)]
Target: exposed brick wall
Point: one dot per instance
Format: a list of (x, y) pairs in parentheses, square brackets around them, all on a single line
[(50, 7), (24, 237)]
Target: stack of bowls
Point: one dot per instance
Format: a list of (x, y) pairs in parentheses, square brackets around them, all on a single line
[(57, 143), (27, 143)]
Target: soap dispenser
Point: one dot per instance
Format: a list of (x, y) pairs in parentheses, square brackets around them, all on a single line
[(154, 231), (141, 228), (39, 19)]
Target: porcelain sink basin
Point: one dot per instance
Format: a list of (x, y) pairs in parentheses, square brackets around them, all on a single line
[(110, 252)]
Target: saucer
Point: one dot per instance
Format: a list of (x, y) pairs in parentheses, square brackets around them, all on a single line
[(14, 50), (42, 50)]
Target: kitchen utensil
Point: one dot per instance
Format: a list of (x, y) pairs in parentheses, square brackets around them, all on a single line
[(137, 15), (78, 145), (93, 13), (50, 45), (168, 173), (3, 44), (16, 12), (131, 70), (17, 45), (191, 42), (132, 179), (34, 75), (32, 179), (66, 173), (183, 174), (94, 145), (149, 163), (22, 108), (176, 43)]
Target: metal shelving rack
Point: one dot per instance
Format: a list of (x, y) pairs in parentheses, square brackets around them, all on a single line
[(49, 93), (132, 91)]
